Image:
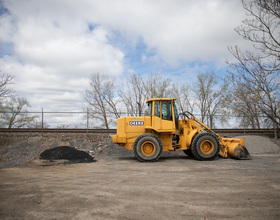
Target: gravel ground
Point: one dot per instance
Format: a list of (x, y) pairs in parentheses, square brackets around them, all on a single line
[(117, 186), (122, 188)]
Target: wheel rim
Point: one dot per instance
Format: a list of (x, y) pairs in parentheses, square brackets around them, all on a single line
[(148, 148), (207, 147)]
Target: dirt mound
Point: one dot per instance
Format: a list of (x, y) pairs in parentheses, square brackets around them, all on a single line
[(19, 151), (25, 150), (66, 153), (261, 145)]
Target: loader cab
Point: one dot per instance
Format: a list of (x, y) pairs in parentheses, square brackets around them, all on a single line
[(164, 115)]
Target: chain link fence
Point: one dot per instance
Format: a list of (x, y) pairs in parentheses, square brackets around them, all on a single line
[(88, 120)]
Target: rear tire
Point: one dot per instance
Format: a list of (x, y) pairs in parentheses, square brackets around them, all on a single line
[(205, 146), (147, 147)]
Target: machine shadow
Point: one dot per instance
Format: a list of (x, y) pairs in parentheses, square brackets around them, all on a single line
[(161, 159)]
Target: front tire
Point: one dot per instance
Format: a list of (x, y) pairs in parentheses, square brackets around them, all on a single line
[(205, 146), (147, 147)]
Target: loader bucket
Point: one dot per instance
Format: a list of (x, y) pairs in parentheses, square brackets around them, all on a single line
[(236, 148)]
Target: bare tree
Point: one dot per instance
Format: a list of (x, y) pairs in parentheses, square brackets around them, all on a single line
[(259, 72), (37, 124), (157, 87), (137, 90), (15, 114), (5, 90), (203, 88), (134, 95), (262, 85), (100, 97), (263, 26), (244, 107), (63, 126), (211, 101), (182, 93)]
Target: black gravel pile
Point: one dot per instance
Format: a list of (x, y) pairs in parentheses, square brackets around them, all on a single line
[(67, 153)]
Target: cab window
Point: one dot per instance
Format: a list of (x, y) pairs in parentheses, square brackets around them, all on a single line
[(150, 105), (166, 110), (176, 114), (157, 108)]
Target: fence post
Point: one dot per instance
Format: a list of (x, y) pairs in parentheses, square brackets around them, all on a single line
[(42, 122), (87, 120), (244, 124)]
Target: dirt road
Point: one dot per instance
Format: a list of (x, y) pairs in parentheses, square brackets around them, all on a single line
[(123, 188)]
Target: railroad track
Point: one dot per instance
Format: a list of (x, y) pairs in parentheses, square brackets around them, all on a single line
[(246, 131), (50, 130), (113, 131)]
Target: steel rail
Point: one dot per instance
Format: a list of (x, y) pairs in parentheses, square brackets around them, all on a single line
[(50, 130), (111, 131)]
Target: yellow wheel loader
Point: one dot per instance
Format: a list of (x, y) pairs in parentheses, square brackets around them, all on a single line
[(162, 131)]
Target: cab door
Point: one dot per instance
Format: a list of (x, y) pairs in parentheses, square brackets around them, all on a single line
[(156, 118), (162, 119), (168, 124)]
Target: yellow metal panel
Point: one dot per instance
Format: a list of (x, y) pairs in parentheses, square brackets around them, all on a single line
[(190, 137), (129, 128), (166, 140), (167, 126), (135, 124), (160, 99), (156, 123), (117, 139), (121, 127)]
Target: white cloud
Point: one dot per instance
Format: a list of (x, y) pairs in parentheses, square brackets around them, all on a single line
[(179, 30), (6, 28), (57, 44), (54, 54)]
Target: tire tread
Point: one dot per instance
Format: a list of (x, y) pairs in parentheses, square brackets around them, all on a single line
[(194, 147), (143, 136)]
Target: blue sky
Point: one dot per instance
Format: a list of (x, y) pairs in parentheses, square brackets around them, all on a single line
[(51, 47)]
